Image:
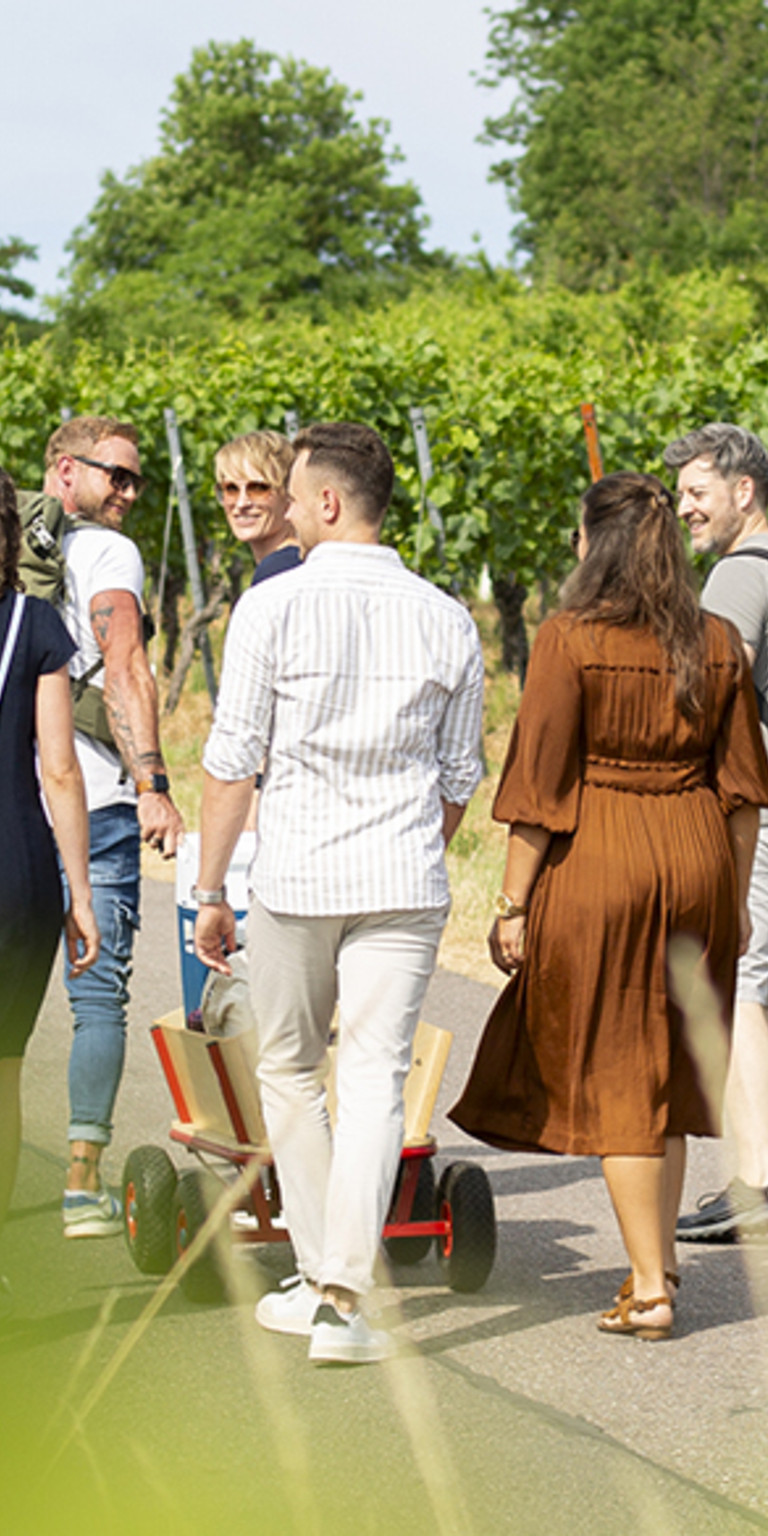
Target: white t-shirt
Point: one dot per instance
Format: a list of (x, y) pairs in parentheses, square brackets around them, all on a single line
[(98, 560)]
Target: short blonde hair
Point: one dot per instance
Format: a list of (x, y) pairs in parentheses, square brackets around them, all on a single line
[(267, 454), (81, 434)]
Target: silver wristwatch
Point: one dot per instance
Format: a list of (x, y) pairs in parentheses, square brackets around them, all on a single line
[(209, 898)]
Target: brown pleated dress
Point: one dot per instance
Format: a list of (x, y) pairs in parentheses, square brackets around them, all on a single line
[(585, 1052)]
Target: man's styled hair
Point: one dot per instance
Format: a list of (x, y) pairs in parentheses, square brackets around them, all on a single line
[(82, 433), (732, 450), (356, 455), (266, 456)]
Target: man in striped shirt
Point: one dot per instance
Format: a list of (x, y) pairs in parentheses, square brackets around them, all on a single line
[(361, 685)]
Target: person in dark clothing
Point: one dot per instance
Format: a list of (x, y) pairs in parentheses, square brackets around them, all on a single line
[(35, 726)]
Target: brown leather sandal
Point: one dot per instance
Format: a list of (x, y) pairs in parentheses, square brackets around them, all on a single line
[(626, 1287), (619, 1321)]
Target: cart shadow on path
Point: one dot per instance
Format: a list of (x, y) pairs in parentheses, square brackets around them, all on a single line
[(27, 1333), (30, 1210)]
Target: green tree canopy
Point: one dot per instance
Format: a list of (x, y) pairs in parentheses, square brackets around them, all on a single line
[(12, 251), (641, 133), (266, 189)]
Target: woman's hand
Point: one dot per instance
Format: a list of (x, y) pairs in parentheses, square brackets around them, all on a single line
[(506, 942), (82, 937), (526, 849)]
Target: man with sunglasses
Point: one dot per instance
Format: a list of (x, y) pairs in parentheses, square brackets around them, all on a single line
[(92, 466)]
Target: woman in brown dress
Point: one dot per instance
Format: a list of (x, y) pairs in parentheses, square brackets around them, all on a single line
[(631, 788)]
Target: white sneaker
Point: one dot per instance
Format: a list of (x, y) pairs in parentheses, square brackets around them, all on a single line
[(291, 1309), (89, 1215), (346, 1338)]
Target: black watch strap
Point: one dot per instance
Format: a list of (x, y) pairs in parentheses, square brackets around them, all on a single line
[(155, 784)]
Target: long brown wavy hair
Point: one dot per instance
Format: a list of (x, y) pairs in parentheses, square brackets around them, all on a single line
[(636, 574), (10, 534)]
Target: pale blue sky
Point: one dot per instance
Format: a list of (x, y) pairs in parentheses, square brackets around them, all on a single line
[(84, 83)]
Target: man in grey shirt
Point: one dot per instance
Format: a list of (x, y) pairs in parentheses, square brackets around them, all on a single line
[(723, 492)]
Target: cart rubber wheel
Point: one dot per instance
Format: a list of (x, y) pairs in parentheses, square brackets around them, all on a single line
[(195, 1196), (410, 1250), (468, 1249), (149, 1182)]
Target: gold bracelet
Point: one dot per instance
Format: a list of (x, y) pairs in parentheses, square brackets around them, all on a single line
[(507, 907)]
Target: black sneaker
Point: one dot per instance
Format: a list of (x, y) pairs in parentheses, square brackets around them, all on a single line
[(722, 1218)]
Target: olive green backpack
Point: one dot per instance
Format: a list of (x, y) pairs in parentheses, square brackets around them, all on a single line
[(42, 569)]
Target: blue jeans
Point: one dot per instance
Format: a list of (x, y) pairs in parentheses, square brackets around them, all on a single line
[(99, 997)]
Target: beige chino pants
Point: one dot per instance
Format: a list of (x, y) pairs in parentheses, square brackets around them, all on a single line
[(336, 1191)]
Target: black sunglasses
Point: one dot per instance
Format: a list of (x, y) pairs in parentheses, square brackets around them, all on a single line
[(121, 479), (573, 540)]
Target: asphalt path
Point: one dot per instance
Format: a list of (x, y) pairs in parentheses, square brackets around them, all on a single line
[(504, 1411)]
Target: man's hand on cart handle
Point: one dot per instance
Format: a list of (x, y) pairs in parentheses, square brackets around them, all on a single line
[(215, 936)]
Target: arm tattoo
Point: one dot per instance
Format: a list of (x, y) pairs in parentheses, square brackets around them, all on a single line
[(100, 618), (121, 726), (137, 763)]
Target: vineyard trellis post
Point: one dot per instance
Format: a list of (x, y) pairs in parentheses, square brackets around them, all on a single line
[(424, 457), (188, 537)]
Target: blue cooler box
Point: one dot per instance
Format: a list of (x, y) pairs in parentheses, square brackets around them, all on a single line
[(193, 972)]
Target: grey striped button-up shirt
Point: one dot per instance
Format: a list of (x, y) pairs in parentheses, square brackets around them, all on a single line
[(362, 686)]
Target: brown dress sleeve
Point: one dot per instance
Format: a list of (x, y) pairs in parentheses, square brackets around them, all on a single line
[(541, 780), (739, 762)]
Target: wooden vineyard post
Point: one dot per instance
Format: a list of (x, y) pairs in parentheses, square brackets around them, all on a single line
[(594, 455)]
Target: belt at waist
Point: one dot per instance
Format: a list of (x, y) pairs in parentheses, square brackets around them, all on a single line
[(645, 778)]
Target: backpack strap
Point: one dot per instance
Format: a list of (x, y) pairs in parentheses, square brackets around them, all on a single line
[(758, 554), (762, 699)]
